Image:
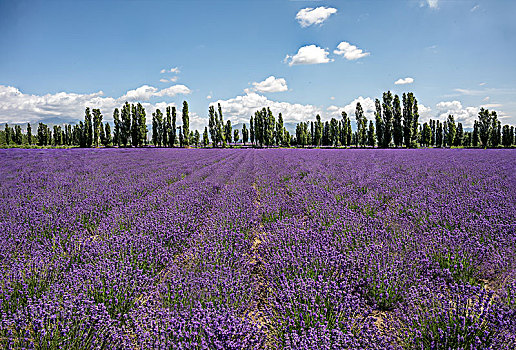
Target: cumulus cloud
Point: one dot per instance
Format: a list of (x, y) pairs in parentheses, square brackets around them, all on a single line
[(241, 108), (309, 16), (163, 80), (174, 90), (310, 54), (350, 52), (17, 107), (404, 81), (271, 84), (465, 115), (367, 105), (145, 92)]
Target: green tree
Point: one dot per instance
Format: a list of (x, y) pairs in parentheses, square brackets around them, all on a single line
[(196, 138), (205, 139), (451, 130), (245, 134), (157, 128), (29, 134), (485, 126), (459, 137), (173, 128), (387, 119), (117, 129), (397, 126), (379, 122), (88, 127), (236, 137), (125, 131), (251, 129), (212, 123), (186, 124), (279, 130), (410, 120), (318, 130), (426, 136), (371, 137), (97, 123), (439, 136), (228, 131), (361, 125), (107, 137)]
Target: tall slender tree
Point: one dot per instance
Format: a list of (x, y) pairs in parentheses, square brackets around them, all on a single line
[(186, 124), (397, 126)]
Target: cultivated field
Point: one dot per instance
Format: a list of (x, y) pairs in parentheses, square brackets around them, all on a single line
[(245, 249)]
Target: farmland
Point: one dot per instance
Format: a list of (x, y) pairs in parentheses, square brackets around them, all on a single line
[(258, 249)]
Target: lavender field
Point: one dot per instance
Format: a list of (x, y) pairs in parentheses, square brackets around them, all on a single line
[(257, 249)]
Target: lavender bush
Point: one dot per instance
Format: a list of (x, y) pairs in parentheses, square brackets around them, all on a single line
[(257, 249)]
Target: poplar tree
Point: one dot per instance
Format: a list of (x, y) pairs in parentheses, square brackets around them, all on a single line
[(361, 125), (196, 137), (236, 137), (459, 136), (166, 127), (157, 128), (495, 131), (371, 139), (125, 130), (186, 124), (135, 130), (397, 126), (228, 132), (205, 139), (451, 130), (116, 130), (426, 135), (475, 138), (97, 123), (107, 135), (387, 118), (142, 125), (88, 128), (318, 130), (29, 134), (251, 129), (379, 122), (245, 134), (172, 130), (279, 130), (212, 123), (439, 136)]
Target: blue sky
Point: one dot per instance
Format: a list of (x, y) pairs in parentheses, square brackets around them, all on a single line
[(298, 57)]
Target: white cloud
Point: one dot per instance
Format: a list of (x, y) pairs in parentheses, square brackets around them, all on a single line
[(474, 8), (241, 108), (309, 16), (332, 98), (17, 107), (271, 84), (404, 81), (174, 79), (174, 70), (486, 98), (174, 90), (465, 115), (350, 52), (208, 97), (163, 80), (433, 3), (482, 84), (310, 54), (145, 92), (367, 105)]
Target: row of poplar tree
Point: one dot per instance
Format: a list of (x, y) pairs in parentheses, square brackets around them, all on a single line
[(395, 124)]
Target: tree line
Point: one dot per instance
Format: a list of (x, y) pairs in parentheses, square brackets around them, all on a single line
[(395, 124)]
